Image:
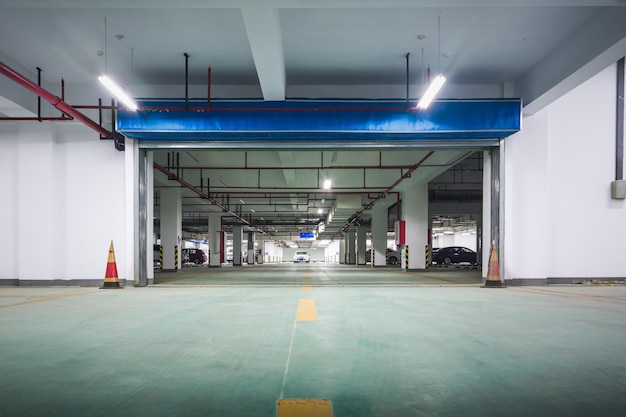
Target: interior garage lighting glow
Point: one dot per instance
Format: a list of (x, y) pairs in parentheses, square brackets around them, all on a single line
[(328, 184), (118, 92), (431, 92)]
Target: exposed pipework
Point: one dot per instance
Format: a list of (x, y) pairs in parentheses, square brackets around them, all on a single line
[(407, 80), (386, 192), (619, 130), (52, 99), (185, 184)]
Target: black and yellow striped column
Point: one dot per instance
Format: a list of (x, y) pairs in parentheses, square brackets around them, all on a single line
[(161, 256), (406, 257), (176, 257), (427, 260), (373, 260), (387, 256)]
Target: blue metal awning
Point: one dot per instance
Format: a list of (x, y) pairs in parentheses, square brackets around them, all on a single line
[(321, 120)]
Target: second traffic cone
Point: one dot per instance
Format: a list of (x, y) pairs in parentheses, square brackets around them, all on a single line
[(493, 272), (111, 279)]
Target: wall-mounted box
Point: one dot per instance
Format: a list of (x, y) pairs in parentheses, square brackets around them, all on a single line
[(618, 189)]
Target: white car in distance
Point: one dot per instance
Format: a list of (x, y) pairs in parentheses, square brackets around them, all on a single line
[(301, 256)]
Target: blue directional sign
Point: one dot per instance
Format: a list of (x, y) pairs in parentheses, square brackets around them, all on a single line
[(307, 235)]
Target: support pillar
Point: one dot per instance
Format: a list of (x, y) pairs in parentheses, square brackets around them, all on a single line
[(351, 246), (342, 251), (361, 243), (250, 255), (237, 239), (260, 259), (415, 215), (171, 229), (380, 220), (215, 239)]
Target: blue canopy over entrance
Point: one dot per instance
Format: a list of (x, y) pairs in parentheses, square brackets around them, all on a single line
[(321, 121)]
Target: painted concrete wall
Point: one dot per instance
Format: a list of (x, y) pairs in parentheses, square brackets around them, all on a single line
[(557, 200), (557, 189), (331, 252), (273, 252), (456, 239), (65, 188), (316, 254)]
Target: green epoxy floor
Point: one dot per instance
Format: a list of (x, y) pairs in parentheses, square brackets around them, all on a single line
[(401, 349)]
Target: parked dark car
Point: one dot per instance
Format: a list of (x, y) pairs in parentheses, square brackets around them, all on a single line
[(197, 256), (453, 255), (393, 256)]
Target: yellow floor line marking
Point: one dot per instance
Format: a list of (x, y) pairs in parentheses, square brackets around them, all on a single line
[(574, 296), (307, 277), (304, 407), (306, 310), (49, 298), (307, 287)]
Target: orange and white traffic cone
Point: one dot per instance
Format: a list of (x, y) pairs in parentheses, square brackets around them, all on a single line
[(493, 272), (111, 279)]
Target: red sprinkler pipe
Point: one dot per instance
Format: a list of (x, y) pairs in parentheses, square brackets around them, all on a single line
[(52, 99), (201, 194)]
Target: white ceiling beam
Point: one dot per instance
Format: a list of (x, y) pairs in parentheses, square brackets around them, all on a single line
[(264, 35)]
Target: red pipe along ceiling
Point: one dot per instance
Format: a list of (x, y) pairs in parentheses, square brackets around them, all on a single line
[(52, 99)]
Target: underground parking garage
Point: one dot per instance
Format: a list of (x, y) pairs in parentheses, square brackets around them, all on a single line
[(216, 160)]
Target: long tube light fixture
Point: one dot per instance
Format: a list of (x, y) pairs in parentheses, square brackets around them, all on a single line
[(118, 92), (431, 92), (439, 80)]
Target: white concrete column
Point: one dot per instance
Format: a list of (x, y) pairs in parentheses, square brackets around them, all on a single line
[(261, 257), (215, 239), (380, 221), (251, 252), (171, 228), (342, 250), (237, 239), (415, 215), (361, 240), (486, 212), (36, 170), (351, 246)]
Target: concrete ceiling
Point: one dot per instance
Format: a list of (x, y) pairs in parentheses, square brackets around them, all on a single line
[(273, 49)]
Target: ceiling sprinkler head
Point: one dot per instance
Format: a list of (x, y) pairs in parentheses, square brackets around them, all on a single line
[(100, 53), (421, 36), (119, 36)]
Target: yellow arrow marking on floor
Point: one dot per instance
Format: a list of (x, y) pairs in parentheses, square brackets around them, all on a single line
[(306, 310), (304, 407)]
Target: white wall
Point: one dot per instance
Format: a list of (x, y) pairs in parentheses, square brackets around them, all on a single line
[(331, 252), (9, 207), (456, 239), (66, 203), (316, 254), (273, 252), (560, 221)]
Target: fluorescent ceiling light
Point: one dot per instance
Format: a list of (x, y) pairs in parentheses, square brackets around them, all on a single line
[(118, 92), (319, 211), (431, 92), (327, 184)]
